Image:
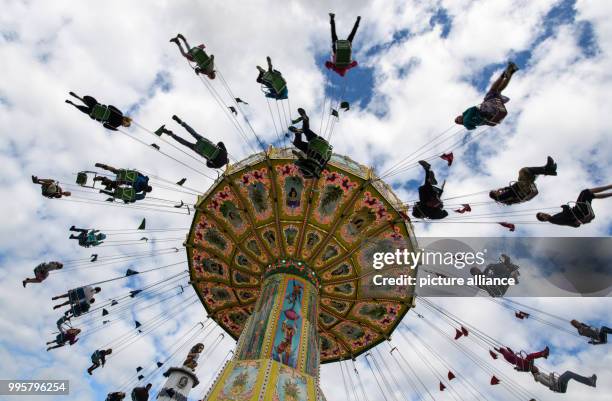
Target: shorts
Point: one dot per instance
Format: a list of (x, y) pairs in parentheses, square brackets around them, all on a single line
[(40, 274), (496, 95), (585, 196)]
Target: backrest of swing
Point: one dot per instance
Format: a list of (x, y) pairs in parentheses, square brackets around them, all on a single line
[(319, 150), (100, 112), (582, 211), (126, 176), (309, 168), (81, 178), (523, 191), (207, 149), (200, 57), (343, 53), (79, 308), (51, 189), (275, 80), (125, 193)]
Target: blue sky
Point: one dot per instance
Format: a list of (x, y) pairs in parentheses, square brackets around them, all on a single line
[(420, 64)]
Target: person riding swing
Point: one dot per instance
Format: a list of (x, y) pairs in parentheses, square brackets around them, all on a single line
[(125, 194), (41, 272), (79, 300), (110, 116), (86, 237), (273, 81), (581, 212), (50, 188), (492, 110), (314, 154), (205, 64), (216, 155), (124, 177), (342, 50), (429, 205), (524, 189)]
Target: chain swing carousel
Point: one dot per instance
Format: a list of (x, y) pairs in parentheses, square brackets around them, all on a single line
[(284, 265), (280, 253)]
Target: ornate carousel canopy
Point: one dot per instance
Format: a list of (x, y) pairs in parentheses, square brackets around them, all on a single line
[(262, 211)]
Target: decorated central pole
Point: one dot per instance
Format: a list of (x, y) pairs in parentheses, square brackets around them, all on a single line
[(278, 352)]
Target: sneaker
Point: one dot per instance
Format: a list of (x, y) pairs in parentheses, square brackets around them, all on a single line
[(174, 39), (425, 165), (72, 228), (161, 130), (551, 166), (293, 129), (594, 380), (512, 68), (546, 352), (34, 179)]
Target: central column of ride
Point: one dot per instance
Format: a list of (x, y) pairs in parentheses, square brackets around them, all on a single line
[(277, 357)]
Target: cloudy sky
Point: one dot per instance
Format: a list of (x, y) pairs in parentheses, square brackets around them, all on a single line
[(420, 64)]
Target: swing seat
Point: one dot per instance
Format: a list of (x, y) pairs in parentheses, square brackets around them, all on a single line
[(126, 194), (343, 56), (207, 149), (78, 303), (319, 150), (81, 178), (51, 190), (309, 168), (100, 112), (203, 60), (319, 153), (523, 193), (126, 177), (76, 295), (582, 211), (274, 81)]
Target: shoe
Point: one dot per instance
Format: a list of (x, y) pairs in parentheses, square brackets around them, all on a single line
[(358, 18), (546, 352), (72, 228), (551, 166), (511, 67), (178, 120), (594, 380), (174, 39), (332, 15), (425, 165), (293, 129), (24, 283), (161, 130), (35, 179)]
